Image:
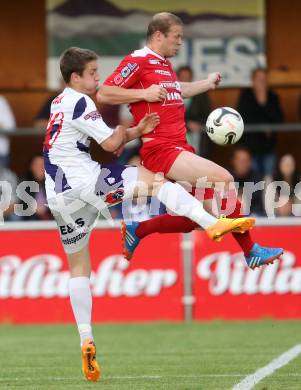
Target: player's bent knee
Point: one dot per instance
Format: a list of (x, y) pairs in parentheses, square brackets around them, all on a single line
[(149, 178), (156, 185), (228, 178), (225, 178)]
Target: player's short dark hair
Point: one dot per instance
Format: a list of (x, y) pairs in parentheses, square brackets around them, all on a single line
[(75, 59), (162, 22)]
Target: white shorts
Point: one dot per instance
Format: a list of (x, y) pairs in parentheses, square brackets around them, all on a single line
[(76, 211)]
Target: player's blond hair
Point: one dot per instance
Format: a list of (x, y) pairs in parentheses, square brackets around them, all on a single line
[(162, 22)]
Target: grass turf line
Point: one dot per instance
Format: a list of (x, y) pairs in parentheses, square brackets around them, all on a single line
[(176, 356)]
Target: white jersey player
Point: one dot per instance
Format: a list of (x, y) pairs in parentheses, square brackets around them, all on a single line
[(78, 188), (74, 121)]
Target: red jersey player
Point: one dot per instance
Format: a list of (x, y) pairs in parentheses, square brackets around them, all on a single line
[(146, 80)]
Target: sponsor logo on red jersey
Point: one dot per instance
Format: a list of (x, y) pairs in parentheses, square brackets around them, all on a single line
[(163, 72), (170, 84), (154, 62), (118, 79), (127, 69), (125, 73)]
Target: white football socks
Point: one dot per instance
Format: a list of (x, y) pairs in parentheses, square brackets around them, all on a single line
[(179, 201), (81, 302)]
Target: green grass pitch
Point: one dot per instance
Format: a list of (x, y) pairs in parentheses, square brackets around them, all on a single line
[(204, 356)]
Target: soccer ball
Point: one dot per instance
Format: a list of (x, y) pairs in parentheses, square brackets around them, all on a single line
[(224, 126)]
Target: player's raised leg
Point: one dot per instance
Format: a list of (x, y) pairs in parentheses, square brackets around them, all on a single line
[(213, 172), (190, 168), (256, 255), (81, 302), (180, 202)]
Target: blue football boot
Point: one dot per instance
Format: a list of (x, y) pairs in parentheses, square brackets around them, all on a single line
[(261, 255), (129, 239)]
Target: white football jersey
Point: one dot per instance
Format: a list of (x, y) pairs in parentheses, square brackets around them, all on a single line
[(74, 121)]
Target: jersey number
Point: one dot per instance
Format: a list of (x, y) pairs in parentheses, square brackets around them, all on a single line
[(53, 130)]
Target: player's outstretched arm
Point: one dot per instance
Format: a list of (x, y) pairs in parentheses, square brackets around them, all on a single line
[(193, 88), (117, 95), (116, 140), (122, 135), (145, 126)]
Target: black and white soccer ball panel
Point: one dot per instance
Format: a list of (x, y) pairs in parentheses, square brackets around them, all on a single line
[(224, 126)]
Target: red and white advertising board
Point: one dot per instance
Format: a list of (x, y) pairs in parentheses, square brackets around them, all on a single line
[(225, 288), (34, 278)]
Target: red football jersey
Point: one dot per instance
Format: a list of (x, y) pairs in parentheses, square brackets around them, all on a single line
[(140, 70)]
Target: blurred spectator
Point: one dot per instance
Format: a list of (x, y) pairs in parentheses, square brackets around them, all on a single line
[(9, 182), (288, 172), (7, 124), (41, 119), (260, 105), (36, 173), (241, 169), (290, 195), (285, 208), (197, 110)]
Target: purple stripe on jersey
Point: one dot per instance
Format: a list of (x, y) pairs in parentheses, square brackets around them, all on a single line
[(82, 147), (109, 179), (57, 175), (79, 108), (54, 130)]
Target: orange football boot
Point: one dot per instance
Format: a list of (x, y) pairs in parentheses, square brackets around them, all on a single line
[(90, 366), (229, 225)]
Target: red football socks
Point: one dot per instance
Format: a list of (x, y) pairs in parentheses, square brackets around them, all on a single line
[(166, 223), (244, 240)]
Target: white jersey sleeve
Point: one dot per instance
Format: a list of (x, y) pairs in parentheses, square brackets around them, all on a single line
[(88, 120)]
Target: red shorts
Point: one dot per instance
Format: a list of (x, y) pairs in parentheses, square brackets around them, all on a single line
[(158, 155)]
